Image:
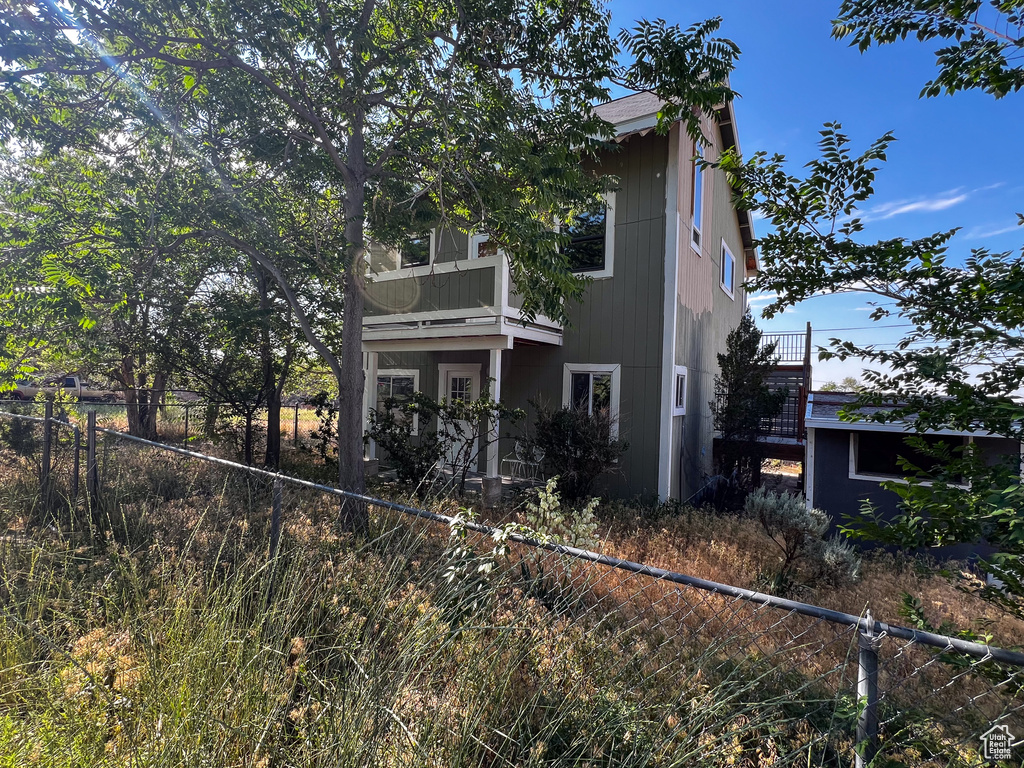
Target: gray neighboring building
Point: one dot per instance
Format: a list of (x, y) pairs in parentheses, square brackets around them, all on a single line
[(667, 263), (847, 461)]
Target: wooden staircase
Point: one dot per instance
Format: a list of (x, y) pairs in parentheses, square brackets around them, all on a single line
[(785, 434)]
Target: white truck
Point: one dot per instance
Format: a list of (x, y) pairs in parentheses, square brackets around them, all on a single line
[(71, 385)]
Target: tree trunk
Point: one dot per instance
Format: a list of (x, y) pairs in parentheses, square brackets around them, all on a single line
[(140, 407), (274, 395), (271, 391), (351, 473), (272, 457)]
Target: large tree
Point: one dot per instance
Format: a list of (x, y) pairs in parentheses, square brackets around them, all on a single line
[(91, 243), (472, 114)]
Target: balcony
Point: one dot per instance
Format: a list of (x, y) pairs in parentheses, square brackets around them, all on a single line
[(469, 300)]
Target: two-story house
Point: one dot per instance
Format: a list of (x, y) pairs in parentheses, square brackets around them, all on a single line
[(667, 262)]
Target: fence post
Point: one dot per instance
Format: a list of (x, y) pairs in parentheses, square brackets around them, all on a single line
[(92, 475), (275, 519), (187, 406), (44, 472), (275, 536), (867, 694), (295, 427), (76, 435)]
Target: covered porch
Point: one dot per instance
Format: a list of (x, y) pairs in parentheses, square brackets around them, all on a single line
[(443, 365)]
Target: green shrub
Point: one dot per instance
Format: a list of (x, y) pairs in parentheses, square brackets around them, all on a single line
[(20, 435), (449, 431), (799, 533), (413, 456), (578, 447)]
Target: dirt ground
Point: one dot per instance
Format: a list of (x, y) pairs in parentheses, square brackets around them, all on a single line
[(782, 476)]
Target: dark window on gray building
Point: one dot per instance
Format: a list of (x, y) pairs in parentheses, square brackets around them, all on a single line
[(591, 391), (416, 251), (877, 453), (586, 249)]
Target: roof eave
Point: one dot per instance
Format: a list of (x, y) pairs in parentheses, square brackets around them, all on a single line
[(730, 140)]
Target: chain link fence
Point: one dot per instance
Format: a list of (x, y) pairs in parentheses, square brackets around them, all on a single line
[(195, 422), (548, 655)]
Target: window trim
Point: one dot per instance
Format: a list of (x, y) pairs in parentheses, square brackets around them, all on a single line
[(731, 290), (609, 242), (615, 370), (476, 239), (697, 216), (414, 373), (871, 477), (680, 370), (430, 258)]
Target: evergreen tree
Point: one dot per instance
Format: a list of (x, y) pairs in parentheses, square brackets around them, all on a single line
[(744, 404)]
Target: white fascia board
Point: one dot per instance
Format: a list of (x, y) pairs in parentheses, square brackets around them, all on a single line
[(636, 124), (874, 426), (438, 345)]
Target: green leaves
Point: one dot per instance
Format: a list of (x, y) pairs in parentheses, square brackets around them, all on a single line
[(987, 38), (959, 366), (688, 69)]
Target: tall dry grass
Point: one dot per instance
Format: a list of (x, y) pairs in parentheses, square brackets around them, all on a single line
[(161, 635)]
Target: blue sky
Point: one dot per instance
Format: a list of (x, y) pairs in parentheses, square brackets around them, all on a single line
[(956, 162)]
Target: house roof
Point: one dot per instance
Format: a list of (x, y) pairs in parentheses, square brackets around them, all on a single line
[(637, 114), (823, 413), (631, 113)]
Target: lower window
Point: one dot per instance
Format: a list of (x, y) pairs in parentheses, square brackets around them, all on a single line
[(876, 455), (679, 392), (399, 385), (593, 388), (728, 276)]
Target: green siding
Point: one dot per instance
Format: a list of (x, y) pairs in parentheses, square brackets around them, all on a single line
[(451, 245), (619, 321), (470, 289)]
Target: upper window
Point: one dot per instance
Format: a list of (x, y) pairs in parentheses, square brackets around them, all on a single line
[(697, 200), (679, 393), (877, 454), (480, 246), (416, 251), (594, 389), (593, 241), (399, 385), (728, 270)]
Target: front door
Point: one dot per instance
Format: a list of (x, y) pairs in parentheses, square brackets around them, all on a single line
[(460, 382)]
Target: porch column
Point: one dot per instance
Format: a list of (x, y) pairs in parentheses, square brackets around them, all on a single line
[(492, 482), (369, 397)]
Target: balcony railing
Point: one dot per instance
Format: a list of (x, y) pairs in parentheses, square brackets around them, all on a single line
[(449, 298)]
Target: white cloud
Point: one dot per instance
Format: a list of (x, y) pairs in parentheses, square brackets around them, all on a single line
[(921, 205), (979, 233), (940, 202), (762, 298)]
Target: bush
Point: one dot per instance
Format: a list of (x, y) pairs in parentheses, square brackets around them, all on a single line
[(448, 429), (550, 521), (392, 429), (578, 447), (20, 435), (799, 533), (325, 436)]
